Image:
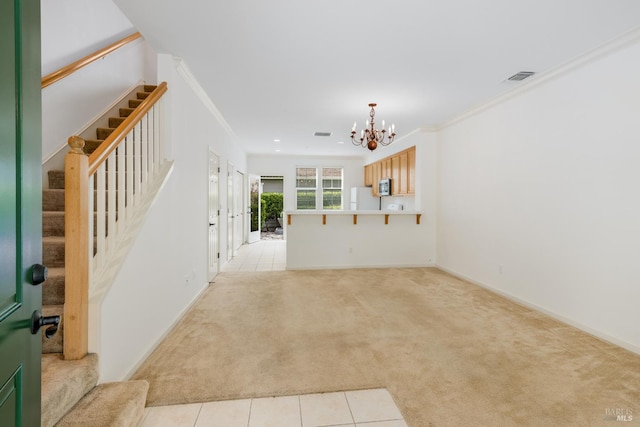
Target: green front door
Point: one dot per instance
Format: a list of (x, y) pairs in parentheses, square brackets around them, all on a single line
[(20, 211)]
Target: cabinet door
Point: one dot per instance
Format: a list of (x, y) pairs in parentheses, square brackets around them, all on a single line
[(386, 168), (411, 169), (396, 179), (368, 175), (376, 170), (403, 173)]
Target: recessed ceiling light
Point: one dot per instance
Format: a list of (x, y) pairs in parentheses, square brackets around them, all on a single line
[(278, 150), (322, 134), (276, 140), (340, 142)]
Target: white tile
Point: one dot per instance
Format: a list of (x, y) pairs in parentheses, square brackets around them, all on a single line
[(396, 423), (275, 412), (172, 416), (372, 405), (230, 413), (325, 409), (279, 266), (248, 267)]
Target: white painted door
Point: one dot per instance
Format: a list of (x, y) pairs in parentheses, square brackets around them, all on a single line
[(238, 211), (254, 200), (214, 216), (230, 216)]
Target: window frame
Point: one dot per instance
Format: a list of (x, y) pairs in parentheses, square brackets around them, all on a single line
[(319, 188)]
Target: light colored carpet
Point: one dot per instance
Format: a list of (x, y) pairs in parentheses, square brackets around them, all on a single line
[(449, 352)]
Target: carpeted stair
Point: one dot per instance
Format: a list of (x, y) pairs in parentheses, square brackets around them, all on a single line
[(70, 396)]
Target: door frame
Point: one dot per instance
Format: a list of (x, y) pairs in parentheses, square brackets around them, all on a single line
[(213, 250), (254, 186), (230, 204), (238, 211), (20, 211)]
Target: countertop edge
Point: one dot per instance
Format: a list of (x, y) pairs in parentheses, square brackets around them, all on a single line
[(356, 212)]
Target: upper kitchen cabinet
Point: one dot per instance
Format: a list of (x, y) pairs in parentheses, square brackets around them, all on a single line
[(368, 175), (400, 167)]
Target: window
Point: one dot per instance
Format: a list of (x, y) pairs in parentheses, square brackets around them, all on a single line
[(309, 189), (331, 188), (306, 183)]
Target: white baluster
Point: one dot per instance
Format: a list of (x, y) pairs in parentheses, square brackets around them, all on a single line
[(100, 216), (111, 203), (122, 187)]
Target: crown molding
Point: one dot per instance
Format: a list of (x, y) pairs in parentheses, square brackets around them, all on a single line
[(626, 39), (193, 83)]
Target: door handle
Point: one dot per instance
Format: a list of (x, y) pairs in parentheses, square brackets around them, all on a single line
[(39, 274), (212, 224), (38, 321)]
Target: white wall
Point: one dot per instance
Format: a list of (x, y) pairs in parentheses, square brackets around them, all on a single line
[(73, 29), (69, 33), (71, 105), (408, 245), (167, 266), (368, 244), (353, 172), (425, 199), (538, 196)]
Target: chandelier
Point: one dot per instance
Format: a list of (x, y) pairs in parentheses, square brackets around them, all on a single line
[(370, 137)]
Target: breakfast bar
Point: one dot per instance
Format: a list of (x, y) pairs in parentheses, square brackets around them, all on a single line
[(355, 239)]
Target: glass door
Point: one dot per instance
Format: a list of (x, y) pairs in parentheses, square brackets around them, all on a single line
[(254, 198)]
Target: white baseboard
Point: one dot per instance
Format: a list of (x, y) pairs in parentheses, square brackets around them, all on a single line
[(346, 267), (596, 333)]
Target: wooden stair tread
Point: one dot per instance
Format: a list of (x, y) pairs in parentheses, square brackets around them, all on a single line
[(126, 112), (64, 383), (114, 122)]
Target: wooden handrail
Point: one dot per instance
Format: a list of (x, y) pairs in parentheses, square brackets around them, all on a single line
[(111, 142), (72, 68)]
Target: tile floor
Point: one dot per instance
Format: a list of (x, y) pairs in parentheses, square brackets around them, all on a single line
[(361, 408), (263, 255)]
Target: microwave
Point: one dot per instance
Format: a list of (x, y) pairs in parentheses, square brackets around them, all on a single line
[(384, 187)]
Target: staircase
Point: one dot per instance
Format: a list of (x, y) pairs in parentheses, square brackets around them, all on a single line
[(70, 396)]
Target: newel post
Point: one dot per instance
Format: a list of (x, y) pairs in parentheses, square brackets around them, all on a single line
[(76, 222)]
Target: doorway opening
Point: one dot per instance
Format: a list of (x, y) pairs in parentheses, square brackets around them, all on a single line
[(271, 207)]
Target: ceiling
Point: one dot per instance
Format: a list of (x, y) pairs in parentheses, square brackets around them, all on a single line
[(284, 69)]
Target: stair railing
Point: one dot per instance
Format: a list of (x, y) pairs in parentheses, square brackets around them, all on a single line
[(118, 171)]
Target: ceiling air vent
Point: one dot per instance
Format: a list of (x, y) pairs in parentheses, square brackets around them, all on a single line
[(322, 134), (521, 76)]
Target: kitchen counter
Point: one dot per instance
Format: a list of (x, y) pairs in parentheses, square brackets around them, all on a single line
[(354, 213), (356, 239)]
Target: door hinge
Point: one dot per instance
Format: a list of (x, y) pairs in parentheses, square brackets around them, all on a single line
[(218, 169), (218, 255)]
